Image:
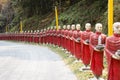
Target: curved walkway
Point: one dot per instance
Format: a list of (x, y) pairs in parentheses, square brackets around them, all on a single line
[(19, 61)]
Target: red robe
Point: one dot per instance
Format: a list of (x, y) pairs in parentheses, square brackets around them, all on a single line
[(71, 41), (40, 36), (53, 36), (31, 37), (59, 37), (35, 37), (36, 40), (78, 45), (47, 36), (85, 50), (62, 37), (112, 45), (27, 37), (67, 40), (44, 36), (74, 36), (69, 36), (23, 37), (50, 33), (96, 56)]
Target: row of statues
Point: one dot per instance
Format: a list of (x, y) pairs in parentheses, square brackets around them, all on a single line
[(87, 46)]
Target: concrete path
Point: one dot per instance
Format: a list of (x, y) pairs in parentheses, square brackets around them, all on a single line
[(19, 61)]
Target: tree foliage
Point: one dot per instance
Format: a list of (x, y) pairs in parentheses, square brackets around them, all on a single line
[(40, 7)]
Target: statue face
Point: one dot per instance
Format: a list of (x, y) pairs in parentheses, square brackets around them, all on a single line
[(68, 26), (99, 29), (34, 31), (78, 27), (38, 31), (54, 27), (73, 27), (59, 27), (88, 28), (64, 27), (117, 29)]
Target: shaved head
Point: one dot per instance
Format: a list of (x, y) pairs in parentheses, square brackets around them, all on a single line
[(116, 27), (98, 27)]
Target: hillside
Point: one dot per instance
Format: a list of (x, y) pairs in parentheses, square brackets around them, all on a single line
[(80, 12)]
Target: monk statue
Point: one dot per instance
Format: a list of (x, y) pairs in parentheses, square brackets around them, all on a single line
[(97, 41), (85, 50), (112, 50)]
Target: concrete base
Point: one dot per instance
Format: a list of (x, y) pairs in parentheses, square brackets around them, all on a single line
[(66, 52), (71, 56), (84, 68), (76, 61), (95, 78), (63, 49), (80, 60)]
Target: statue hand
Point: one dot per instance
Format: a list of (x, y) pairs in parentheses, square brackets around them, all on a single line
[(85, 43), (96, 49), (77, 41), (116, 57)]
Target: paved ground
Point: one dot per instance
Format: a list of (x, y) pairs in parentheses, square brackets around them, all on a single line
[(19, 61)]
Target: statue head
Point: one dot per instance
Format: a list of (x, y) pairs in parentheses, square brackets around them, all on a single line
[(116, 27), (44, 29), (68, 26), (73, 26), (88, 26), (59, 27), (98, 27), (38, 31), (78, 26), (54, 27), (64, 27)]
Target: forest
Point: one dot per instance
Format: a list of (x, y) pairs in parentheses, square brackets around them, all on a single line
[(39, 14)]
